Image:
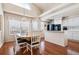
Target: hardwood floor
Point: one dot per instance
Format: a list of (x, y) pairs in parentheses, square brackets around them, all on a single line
[(7, 49), (73, 47), (46, 48), (53, 49)]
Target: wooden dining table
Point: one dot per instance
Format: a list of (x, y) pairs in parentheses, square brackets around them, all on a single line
[(27, 37)]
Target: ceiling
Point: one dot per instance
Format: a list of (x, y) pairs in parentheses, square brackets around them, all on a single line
[(42, 7), (23, 5), (47, 10), (46, 6)]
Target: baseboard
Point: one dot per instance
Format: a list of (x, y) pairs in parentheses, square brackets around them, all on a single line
[(55, 44), (9, 40)]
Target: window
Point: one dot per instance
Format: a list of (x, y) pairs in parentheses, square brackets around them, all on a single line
[(25, 27), (14, 26), (42, 25), (35, 26), (19, 24)]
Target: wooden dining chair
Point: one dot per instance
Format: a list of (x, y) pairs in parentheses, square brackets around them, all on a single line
[(33, 42), (19, 43)]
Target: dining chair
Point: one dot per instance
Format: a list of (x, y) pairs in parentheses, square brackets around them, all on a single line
[(19, 43), (33, 42)]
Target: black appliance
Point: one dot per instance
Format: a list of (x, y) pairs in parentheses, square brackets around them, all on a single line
[(54, 27)]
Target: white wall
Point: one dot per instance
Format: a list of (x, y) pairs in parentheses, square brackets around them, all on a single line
[(2, 26), (1, 11), (7, 37)]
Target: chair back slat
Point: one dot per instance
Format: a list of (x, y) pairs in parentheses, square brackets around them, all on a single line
[(35, 37)]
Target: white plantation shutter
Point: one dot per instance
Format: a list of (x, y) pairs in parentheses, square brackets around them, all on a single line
[(17, 24)]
